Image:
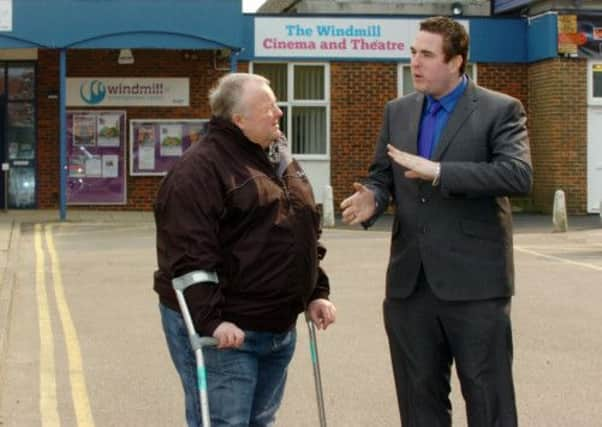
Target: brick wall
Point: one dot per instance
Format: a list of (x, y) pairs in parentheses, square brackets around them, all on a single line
[(513, 80), (103, 63), (359, 92), (553, 92), (558, 132), (48, 183)]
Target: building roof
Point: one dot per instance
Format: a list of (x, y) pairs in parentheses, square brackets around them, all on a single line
[(377, 7), (276, 6)]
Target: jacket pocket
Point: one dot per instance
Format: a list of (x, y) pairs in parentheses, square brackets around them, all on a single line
[(481, 230)]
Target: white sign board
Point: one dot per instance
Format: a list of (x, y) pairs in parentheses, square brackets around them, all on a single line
[(114, 91), (331, 37), (6, 15)]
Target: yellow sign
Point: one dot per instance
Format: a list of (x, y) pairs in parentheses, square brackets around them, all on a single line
[(568, 38)]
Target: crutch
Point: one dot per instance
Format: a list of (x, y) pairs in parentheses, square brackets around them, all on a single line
[(313, 348), (197, 342)]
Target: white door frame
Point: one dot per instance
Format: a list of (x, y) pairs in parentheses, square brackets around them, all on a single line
[(594, 142)]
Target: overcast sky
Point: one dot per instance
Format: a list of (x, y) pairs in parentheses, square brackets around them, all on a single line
[(251, 5)]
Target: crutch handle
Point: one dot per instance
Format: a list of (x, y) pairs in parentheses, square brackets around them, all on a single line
[(208, 341), (197, 343)]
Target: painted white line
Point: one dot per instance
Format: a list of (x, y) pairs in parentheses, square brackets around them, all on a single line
[(555, 258), (78, 229), (79, 391), (48, 404)]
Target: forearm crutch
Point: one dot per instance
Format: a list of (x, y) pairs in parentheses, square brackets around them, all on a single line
[(315, 361), (197, 343)]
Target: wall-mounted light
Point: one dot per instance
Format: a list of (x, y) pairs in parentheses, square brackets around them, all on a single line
[(457, 9), (125, 56), (221, 56)]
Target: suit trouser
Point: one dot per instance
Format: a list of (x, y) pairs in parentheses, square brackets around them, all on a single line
[(426, 334)]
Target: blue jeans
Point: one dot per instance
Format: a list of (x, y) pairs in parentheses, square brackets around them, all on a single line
[(244, 385)]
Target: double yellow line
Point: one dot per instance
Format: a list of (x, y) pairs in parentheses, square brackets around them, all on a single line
[(48, 392)]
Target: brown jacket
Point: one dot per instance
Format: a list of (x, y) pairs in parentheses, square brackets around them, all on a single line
[(223, 209)]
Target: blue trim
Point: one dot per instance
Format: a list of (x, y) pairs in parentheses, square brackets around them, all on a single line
[(234, 61), (214, 24), (542, 37), (149, 39), (498, 40), (11, 42)]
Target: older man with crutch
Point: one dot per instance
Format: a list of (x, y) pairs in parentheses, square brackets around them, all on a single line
[(237, 232)]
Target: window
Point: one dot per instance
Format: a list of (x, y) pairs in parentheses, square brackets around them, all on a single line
[(594, 80), (406, 86), (302, 91)]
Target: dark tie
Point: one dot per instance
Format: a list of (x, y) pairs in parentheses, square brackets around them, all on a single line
[(427, 131)]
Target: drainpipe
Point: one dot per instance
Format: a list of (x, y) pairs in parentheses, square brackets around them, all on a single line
[(63, 133)]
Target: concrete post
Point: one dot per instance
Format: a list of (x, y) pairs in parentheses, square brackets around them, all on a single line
[(328, 208), (559, 217)]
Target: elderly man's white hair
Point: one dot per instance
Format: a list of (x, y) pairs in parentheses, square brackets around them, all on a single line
[(225, 97)]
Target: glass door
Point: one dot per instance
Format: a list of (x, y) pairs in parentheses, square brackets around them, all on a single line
[(20, 134)]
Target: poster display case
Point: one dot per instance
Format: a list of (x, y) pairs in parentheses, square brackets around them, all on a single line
[(96, 157), (155, 144)]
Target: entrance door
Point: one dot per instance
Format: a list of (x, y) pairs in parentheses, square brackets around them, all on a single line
[(594, 159), (3, 175), (19, 134)]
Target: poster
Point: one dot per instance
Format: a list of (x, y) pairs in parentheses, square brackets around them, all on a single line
[(77, 166), (109, 131), (171, 140), (110, 166), (96, 157), (146, 147), (93, 167), (84, 130), (155, 145)]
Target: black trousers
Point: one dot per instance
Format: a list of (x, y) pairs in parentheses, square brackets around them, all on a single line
[(426, 334)]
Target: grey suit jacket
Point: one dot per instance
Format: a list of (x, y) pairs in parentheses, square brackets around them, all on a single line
[(461, 230)]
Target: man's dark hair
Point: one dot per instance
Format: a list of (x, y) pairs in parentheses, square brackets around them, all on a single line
[(455, 37)]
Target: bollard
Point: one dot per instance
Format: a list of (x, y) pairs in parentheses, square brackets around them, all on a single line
[(559, 217), (328, 208), (5, 170), (600, 210)]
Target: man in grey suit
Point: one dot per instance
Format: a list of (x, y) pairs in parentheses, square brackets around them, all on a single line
[(448, 156)]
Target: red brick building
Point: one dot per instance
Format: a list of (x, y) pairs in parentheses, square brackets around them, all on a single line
[(333, 99)]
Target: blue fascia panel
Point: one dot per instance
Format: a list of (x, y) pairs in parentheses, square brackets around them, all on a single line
[(542, 37), (247, 52), (498, 40), (120, 23)]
